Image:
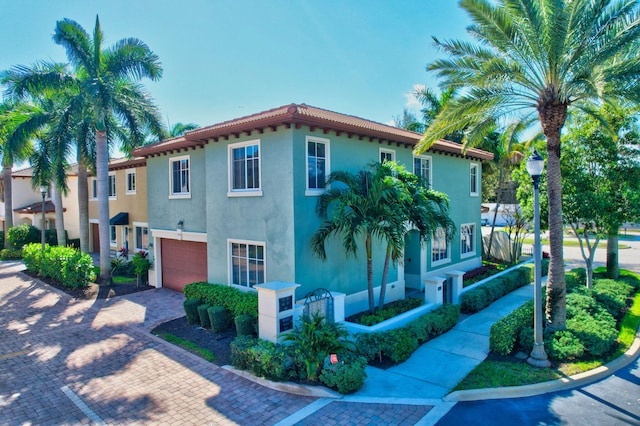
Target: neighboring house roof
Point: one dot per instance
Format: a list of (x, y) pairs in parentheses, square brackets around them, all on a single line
[(127, 163), (36, 207), (296, 115)]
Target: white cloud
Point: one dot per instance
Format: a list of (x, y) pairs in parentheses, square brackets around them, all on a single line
[(412, 101)]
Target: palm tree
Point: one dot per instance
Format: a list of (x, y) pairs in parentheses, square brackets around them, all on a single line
[(539, 57), (180, 129), (107, 96), (419, 208), (13, 148), (361, 205)]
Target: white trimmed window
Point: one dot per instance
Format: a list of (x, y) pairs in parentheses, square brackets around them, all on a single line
[(113, 238), (387, 155), (247, 263), (439, 248), (422, 169), (180, 177), (244, 168), (131, 181), (467, 239), (93, 188), (317, 164), (112, 185), (474, 180), (141, 236)]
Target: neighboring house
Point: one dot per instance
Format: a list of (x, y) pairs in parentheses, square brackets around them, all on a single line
[(235, 203), (127, 207), (505, 214), (27, 203)]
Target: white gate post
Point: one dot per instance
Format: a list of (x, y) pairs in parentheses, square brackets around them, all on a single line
[(276, 303)]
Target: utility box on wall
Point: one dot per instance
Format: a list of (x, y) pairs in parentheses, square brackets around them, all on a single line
[(276, 309)]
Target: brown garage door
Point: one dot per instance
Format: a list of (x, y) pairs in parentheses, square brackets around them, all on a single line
[(183, 262)]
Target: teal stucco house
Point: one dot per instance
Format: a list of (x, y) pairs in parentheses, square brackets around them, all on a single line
[(234, 203)]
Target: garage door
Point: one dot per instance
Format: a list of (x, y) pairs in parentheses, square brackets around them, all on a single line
[(183, 262)]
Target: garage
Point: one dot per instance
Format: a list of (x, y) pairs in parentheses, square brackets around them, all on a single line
[(183, 262)]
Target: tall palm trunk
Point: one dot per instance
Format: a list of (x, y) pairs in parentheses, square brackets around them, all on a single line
[(552, 118), (83, 206), (369, 249), (57, 202), (8, 201), (385, 273), (102, 175)]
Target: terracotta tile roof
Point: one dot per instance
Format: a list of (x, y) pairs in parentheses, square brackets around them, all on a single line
[(296, 115), (36, 207)]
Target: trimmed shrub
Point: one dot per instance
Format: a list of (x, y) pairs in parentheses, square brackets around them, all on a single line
[(65, 265), (346, 376), (442, 319), (597, 333), (613, 296), (389, 310), (10, 254), (563, 345), (526, 339), (191, 311), (20, 235), (399, 344), (204, 315), (474, 301), (219, 318), (268, 360), (506, 331), (245, 325), (236, 301), (369, 345), (580, 303), (240, 357)]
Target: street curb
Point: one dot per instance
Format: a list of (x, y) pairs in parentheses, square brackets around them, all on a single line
[(580, 379)]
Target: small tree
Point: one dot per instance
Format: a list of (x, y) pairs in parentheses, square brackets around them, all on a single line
[(141, 266)]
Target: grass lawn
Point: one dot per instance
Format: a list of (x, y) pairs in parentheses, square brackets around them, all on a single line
[(498, 371), (575, 243), (189, 346)]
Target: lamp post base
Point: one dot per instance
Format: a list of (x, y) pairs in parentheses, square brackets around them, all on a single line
[(538, 357)]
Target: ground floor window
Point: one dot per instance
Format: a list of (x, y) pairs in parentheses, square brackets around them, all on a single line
[(467, 239), (113, 239), (141, 238), (247, 263), (439, 248)]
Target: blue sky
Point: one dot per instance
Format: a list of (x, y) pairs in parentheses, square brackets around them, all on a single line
[(226, 59)]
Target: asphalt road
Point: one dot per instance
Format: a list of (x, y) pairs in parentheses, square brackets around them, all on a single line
[(614, 400)]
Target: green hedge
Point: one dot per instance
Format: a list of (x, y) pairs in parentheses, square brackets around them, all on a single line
[(65, 265), (236, 301), (7, 254), (398, 345), (478, 298)]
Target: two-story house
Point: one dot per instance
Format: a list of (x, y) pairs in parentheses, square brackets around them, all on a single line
[(234, 203), (127, 207)]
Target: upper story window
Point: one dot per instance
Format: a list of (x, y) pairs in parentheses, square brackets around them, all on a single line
[(439, 248), (247, 263), (180, 177), (387, 155), (131, 181), (244, 168), (467, 239), (422, 169), (112, 185), (93, 188), (474, 179), (317, 164)]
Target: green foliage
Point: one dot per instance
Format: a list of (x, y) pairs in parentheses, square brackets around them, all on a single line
[(141, 263), (563, 345), (240, 357), (581, 303), (204, 315), (399, 344), (65, 265), (597, 333), (474, 300), (7, 254), (236, 301), (245, 325), (613, 296), (268, 360), (346, 376), (121, 266), (370, 345), (506, 331), (315, 339), (390, 310), (74, 242), (220, 318), (191, 311), (23, 234)]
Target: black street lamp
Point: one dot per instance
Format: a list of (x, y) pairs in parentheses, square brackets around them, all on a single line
[(538, 358), (43, 192)]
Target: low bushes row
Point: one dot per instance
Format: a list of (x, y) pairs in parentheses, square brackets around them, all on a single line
[(478, 298), (593, 316), (389, 310), (218, 318), (66, 265), (397, 345), (236, 301)]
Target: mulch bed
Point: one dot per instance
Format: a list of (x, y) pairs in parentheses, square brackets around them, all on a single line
[(217, 343), (94, 291)]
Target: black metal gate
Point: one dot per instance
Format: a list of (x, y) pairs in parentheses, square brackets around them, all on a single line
[(447, 291)]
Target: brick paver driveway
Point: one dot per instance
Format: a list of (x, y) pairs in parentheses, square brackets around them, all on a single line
[(66, 361)]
